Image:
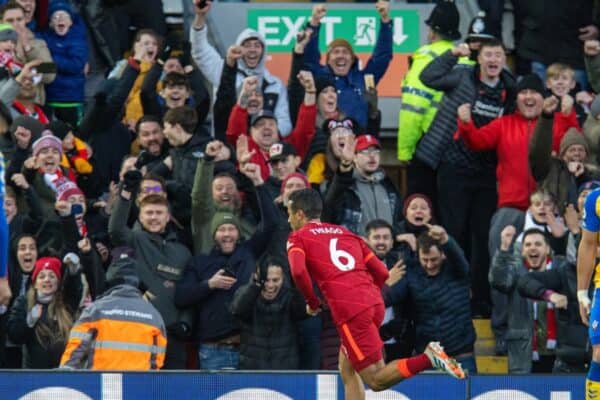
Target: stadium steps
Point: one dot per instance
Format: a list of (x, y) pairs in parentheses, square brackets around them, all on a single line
[(487, 361)]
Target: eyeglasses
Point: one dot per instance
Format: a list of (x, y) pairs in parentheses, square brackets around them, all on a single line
[(370, 151), (153, 189)]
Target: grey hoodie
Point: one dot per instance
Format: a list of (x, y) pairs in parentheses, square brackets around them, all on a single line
[(210, 63)]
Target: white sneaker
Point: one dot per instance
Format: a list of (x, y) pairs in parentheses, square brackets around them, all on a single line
[(440, 361)]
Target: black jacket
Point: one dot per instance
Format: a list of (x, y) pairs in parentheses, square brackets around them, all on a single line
[(214, 319), (153, 104), (181, 179), (572, 345), (36, 354), (550, 31), (460, 84), (442, 308), (269, 338)]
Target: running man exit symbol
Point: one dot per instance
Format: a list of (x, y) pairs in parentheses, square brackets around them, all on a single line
[(365, 31)]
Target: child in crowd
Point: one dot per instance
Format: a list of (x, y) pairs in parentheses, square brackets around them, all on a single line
[(76, 153), (560, 81), (69, 50), (543, 215)]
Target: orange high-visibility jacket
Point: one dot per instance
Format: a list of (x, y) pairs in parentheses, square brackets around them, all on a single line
[(118, 331)]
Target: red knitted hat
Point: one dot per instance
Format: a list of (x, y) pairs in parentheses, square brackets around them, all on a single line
[(295, 175), (47, 263)]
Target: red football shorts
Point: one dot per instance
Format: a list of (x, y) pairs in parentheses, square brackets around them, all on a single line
[(360, 337)]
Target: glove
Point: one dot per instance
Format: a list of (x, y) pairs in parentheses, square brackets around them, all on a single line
[(259, 276), (186, 58), (34, 315), (372, 102), (166, 53), (131, 180), (71, 260), (143, 158)]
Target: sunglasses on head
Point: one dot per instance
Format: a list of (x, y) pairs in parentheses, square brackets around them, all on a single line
[(153, 189)]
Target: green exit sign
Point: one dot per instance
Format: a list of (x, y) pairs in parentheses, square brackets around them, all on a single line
[(359, 27)]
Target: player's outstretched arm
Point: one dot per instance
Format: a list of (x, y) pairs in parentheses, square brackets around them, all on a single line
[(297, 260)]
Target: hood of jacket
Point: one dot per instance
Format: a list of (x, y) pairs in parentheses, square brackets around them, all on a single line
[(260, 67)]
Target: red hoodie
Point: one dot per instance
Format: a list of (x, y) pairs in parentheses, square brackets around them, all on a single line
[(509, 136), (300, 138)]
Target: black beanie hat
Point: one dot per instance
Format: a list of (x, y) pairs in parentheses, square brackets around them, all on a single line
[(532, 82), (322, 82), (59, 128)]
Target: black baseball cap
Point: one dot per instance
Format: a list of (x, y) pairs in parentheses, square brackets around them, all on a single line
[(279, 151), (262, 114)]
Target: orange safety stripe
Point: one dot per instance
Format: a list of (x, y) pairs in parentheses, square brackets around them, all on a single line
[(296, 249), (402, 366), (119, 331), (369, 256), (353, 344)]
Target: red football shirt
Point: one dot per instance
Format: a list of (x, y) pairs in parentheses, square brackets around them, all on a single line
[(340, 262)]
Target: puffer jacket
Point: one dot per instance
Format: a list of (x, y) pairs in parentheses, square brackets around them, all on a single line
[(440, 304), (70, 54), (269, 338)]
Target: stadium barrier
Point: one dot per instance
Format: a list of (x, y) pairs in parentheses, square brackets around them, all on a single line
[(67, 385)]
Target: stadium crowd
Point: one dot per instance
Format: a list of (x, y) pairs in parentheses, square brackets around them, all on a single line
[(146, 182)]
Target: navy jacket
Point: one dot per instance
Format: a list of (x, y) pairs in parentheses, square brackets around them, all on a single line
[(215, 321), (351, 88), (442, 308), (70, 54)]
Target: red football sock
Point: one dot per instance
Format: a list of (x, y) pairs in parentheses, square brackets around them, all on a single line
[(412, 366)]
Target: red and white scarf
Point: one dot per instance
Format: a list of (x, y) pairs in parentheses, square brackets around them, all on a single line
[(550, 322)]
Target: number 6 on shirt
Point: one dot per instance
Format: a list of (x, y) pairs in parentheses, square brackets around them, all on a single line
[(338, 255)]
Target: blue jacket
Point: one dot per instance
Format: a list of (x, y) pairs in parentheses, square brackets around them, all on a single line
[(69, 53), (350, 88), (441, 303)]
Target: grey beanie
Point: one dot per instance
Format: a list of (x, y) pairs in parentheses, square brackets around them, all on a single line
[(122, 270)]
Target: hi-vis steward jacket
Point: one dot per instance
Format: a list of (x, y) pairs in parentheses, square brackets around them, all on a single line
[(118, 331), (419, 102)]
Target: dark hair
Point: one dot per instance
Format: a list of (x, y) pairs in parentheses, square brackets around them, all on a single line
[(185, 116), (11, 5), (176, 79), (15, 241), (225, 174), (535, 231), (426, 242), (157, 178), (147, 31), (377, 224), (491, 42), (10, 192), (147, 118), (307, 200), (154, 199)]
